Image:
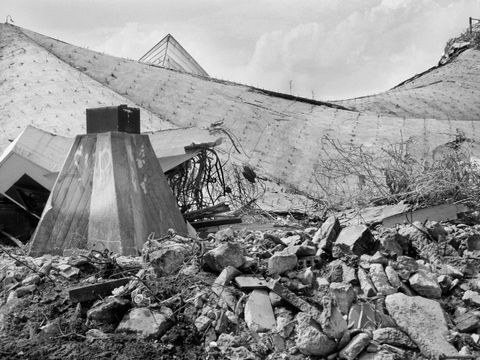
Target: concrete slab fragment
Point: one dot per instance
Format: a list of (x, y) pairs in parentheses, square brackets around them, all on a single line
[(259, 314)]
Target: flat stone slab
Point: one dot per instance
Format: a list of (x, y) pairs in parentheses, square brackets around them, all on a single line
[(423, 321), (442, 212), (259, 314), (249, 282)]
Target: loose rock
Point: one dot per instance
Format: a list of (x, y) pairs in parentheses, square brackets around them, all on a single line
[(356, 240), (310, 339), (281, 262), (344, 296), (425, 284), (423, 321), (147, 323), (380, 280), (228, 254), (393, 336), (355, 347)]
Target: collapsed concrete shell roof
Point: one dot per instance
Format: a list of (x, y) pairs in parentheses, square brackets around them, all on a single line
[(49, 83), (40, 155)]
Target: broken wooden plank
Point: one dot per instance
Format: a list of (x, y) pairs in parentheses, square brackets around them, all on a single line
[(206, 212), (216, 222), (95, 291)]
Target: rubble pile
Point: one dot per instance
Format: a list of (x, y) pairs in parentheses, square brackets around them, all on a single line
[(319, 292)]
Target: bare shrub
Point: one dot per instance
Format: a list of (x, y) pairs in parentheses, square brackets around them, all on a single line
[(353, 175)]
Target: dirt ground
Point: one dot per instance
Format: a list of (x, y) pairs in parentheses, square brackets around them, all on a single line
[(22, 338)]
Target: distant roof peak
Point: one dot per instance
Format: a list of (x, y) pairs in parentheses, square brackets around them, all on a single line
[(168, 53)]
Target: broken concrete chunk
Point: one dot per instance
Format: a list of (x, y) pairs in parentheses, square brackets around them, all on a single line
[(227, 275), (322, 283), (25, 290), (32, 279), (344, 296), (425, 284), (222, 322), (436, 230), (275, 299), (471, 297), (109, 310), (46, 267), (467, 322), (226, 294), (356, 240), (473, 242), (327, 234), (285, 325), (302, 250), (310, 339), (291, 240), (378, 258), (335, 271), (380, 280), (223, 256), (450, 270), (392, 242), (414, 315), (258, 312), (202, 323), (405, 266), (355, 347), (445, 283), (50, 330), (341, 272), (393, 277), (146, 323), (332, 322), (392, 336), (69, 272), (366, 283), (169, 258), (349, 275), (281, 262), (224, 234)]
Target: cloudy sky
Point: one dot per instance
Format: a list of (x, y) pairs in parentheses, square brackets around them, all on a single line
[(326, 49)]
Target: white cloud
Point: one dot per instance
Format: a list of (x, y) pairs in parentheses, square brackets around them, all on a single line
[(367, 50)]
